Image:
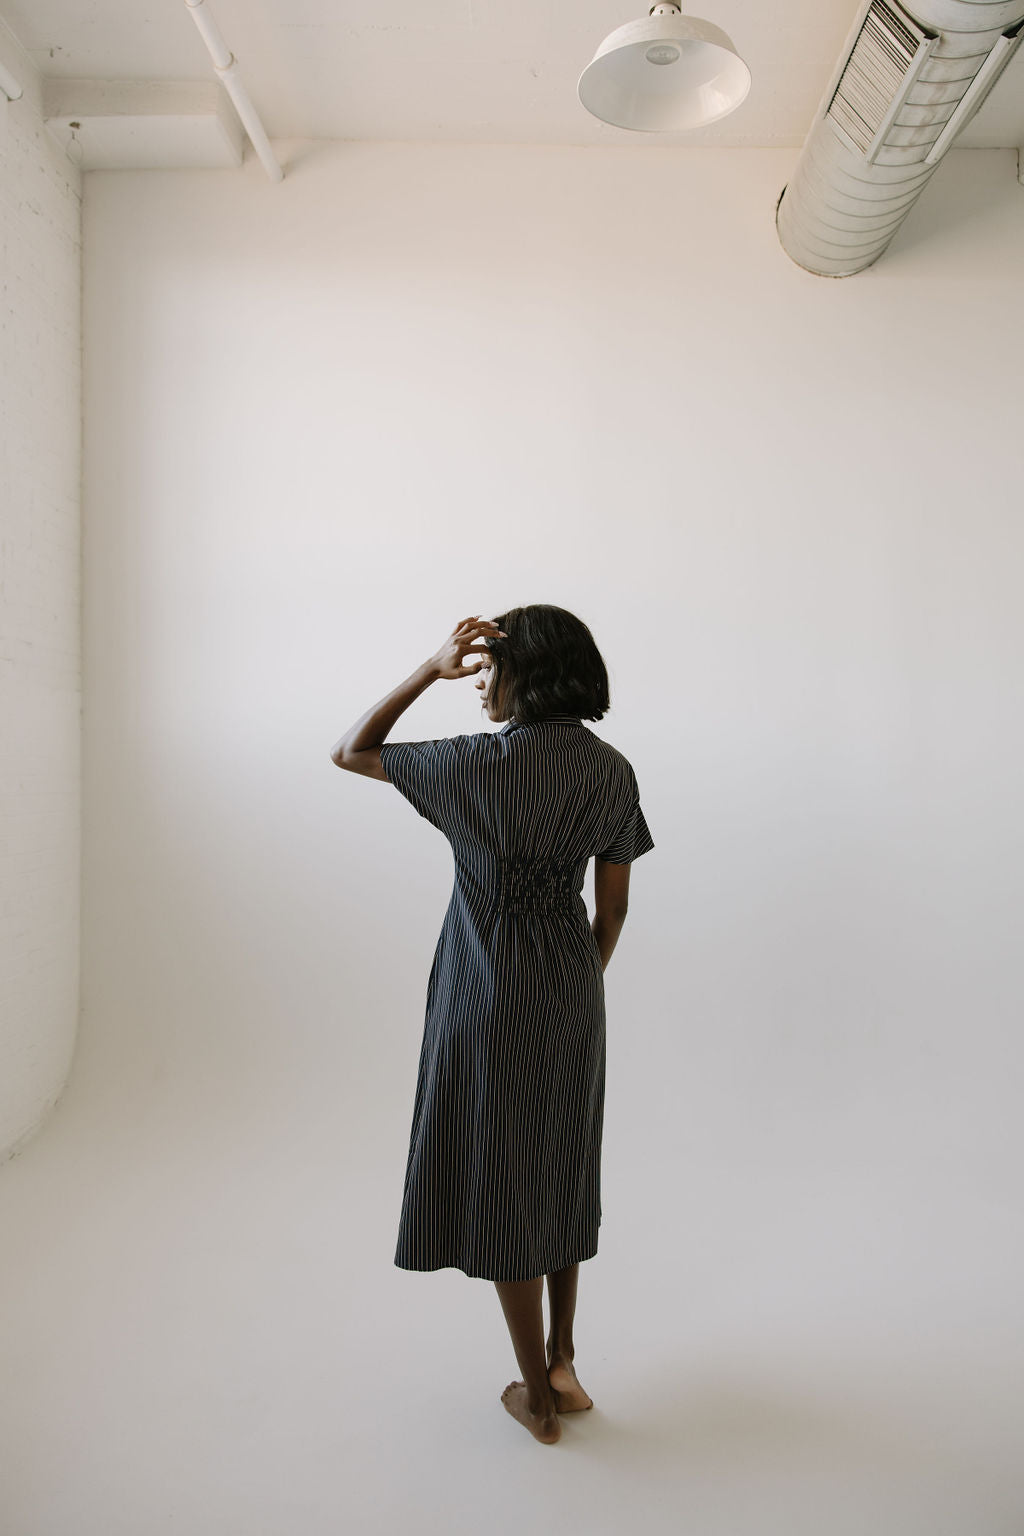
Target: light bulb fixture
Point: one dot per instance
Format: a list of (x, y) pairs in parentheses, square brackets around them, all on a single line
[(664, 74)]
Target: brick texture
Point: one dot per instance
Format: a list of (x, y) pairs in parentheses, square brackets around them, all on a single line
[(40, 653)]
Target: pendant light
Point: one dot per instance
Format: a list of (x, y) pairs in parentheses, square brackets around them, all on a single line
[(664, 74)]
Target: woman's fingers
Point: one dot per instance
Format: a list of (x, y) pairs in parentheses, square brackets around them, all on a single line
[(466, 629)]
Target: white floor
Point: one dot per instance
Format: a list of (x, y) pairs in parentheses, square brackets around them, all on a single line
[(203, 1332)]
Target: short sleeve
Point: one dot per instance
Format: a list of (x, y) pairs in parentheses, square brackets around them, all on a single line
[(630, 839), (426, 773)]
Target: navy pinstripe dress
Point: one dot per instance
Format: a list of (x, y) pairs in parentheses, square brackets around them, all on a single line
[(503, 1178)]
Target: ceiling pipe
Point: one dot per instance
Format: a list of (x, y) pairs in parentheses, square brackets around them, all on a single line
[(909, 78), (226, 65), (9, 87)]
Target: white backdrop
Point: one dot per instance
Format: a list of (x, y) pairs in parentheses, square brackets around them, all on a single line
[(327, 419)]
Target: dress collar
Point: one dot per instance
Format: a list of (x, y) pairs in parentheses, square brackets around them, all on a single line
[(514, 724)]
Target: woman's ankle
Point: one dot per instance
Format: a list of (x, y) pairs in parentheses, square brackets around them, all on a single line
[(559, 1354)]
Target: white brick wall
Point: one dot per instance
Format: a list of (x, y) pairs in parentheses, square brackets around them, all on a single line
[(40, 655)]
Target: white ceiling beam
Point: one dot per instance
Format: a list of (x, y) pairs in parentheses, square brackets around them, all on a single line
[(115, 125)]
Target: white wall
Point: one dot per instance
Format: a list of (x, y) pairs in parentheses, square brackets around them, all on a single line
[(40, 654), (327, 419)]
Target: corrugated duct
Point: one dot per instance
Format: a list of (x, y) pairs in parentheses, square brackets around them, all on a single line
[(907, 81)]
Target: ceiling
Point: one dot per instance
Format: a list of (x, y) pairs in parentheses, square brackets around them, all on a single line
[(490, 71)]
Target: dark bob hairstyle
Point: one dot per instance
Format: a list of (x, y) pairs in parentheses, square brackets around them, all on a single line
[(548, 664)]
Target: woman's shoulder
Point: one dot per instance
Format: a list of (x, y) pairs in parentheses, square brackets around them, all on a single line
[(615, 760)]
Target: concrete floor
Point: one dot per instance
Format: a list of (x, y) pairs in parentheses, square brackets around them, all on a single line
[(203, 1332)]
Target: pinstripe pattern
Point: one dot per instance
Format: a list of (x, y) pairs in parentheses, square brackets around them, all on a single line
[(503, 1178)]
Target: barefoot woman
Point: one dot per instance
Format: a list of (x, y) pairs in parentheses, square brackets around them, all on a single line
[(503, 1179)]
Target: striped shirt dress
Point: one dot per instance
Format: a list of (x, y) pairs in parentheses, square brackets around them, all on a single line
[(503, 1178)]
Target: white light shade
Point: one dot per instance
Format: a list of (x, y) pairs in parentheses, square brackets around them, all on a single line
[(664, 74)]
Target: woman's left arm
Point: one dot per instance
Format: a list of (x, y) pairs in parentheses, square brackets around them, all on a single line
[(359, 748)]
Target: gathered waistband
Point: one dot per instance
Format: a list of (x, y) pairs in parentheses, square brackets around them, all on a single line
[(535, 885)]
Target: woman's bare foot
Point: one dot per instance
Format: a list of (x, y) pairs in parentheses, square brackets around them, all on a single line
[(568, 1393), (543, 1428)]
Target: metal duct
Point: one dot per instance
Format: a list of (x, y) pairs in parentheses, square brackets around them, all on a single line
[(906, 83)]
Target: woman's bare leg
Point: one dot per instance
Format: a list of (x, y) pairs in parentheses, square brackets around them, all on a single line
[(569, 1395), (531, 1400), (562, 1310)]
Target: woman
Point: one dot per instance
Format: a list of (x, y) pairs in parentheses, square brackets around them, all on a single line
[(504, 1167)]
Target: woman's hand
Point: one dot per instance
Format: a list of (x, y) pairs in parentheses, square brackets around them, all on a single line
[(448, 660)]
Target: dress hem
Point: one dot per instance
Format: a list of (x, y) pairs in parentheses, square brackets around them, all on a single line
[(473, 1274)]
